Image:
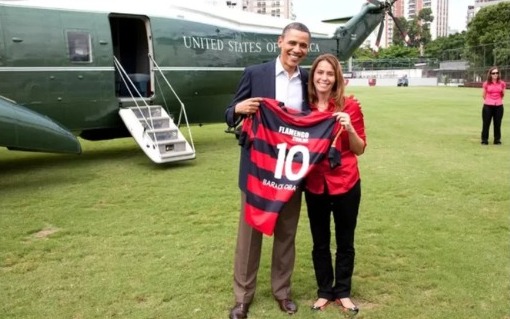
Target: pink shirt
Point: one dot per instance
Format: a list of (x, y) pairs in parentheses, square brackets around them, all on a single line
[(493, 93)]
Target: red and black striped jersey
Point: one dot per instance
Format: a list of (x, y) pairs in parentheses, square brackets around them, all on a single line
[(284, 145)]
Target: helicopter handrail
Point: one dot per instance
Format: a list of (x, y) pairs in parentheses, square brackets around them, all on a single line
[(183, 107), (124, 75)]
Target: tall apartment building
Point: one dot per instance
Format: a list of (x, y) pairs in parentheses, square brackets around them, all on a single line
[(438, 27), (410, 9), (275, 8), (239, 5), (398, 11)]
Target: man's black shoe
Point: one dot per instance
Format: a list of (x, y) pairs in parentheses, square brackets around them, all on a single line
[(239, 311), (288, 306)]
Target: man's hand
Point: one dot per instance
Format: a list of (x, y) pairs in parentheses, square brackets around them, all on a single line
[(248, 106)]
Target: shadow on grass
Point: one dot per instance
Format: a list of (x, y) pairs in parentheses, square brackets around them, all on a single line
[(16, 169), (27, 161)]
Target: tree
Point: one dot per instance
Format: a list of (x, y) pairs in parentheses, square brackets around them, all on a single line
[(398, 52), (447, 48), (398, 38), (385, 58), (364, 54), (488, 36), (417, 29)]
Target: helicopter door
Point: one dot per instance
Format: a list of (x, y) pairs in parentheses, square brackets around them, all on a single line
[(131, 39)]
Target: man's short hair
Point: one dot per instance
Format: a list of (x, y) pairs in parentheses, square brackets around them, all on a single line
[(296, 26)]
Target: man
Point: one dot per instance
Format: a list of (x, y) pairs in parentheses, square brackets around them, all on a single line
[(281, 79)]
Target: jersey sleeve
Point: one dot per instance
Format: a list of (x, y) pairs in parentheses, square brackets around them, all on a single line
[(247, 134)]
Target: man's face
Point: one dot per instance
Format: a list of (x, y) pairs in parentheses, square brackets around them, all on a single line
[(293, 48)]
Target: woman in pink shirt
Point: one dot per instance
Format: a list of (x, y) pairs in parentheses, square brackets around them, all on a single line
[(335, 191), (493, 93)]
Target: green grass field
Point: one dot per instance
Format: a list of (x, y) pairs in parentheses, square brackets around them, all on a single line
[(109, 234)]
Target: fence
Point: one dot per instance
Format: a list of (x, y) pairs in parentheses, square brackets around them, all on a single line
[(394, 64), (454, 67)]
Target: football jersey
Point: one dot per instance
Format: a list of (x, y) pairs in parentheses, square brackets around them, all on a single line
[(283, 145)]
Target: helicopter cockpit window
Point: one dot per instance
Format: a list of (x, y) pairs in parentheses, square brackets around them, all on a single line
[(79, 44)]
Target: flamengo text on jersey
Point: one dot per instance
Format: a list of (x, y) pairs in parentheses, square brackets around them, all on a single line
[(298, 136), (279, 186)]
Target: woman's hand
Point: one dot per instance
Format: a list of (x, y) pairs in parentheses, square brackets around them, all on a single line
[(345, 120)]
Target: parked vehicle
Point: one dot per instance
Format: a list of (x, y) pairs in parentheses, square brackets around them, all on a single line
[(403, 81)]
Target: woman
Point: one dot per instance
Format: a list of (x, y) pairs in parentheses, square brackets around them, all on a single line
[(335, 190), (493, 93)]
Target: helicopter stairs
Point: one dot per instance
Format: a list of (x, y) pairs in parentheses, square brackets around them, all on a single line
[(156, 133)]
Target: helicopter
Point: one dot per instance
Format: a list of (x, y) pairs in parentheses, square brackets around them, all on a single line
[(110, 69)]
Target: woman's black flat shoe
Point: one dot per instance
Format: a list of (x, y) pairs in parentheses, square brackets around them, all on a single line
[(349, 312)]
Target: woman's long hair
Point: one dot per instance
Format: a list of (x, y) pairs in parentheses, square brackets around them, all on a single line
[(489, 76), (337, 93)]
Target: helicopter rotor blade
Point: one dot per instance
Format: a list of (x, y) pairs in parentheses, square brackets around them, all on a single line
[(387, 5), (399, 27), (379, 34), (374, 2)]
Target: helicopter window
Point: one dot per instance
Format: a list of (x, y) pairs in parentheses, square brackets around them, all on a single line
[(79, 45)]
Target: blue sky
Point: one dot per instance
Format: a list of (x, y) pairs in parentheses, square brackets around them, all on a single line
[(307, 10)]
